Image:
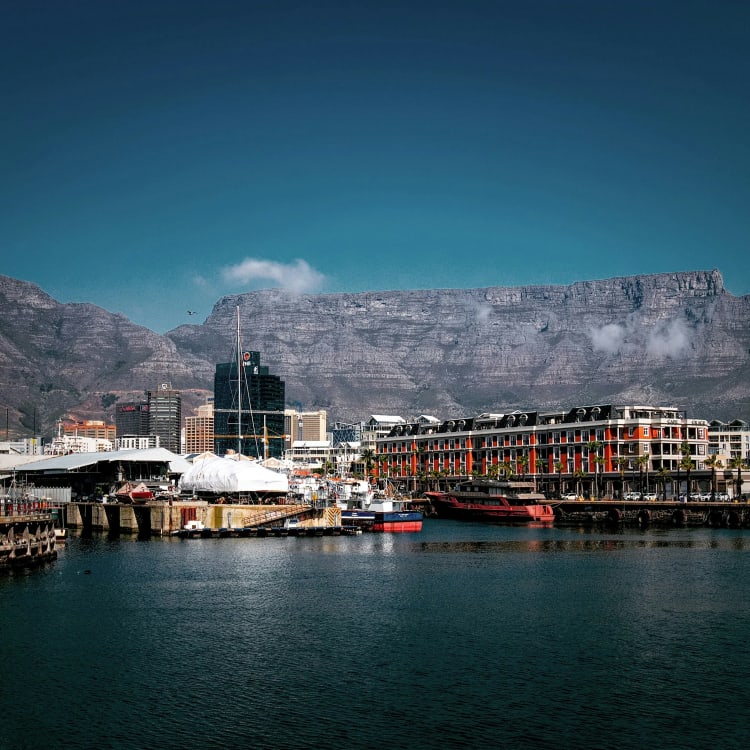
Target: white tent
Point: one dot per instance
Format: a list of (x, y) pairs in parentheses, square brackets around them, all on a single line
[(227, 475)]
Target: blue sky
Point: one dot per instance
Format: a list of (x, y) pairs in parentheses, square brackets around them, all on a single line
[(158, 155)]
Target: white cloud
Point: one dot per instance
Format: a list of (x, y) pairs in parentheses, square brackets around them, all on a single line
[(481, 310), (669, 340), (298, 277), (609, 338)]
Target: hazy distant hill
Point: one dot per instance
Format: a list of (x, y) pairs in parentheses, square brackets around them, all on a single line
[(676, 339)]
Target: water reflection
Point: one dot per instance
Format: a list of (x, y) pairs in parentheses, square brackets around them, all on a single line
[(579, 545)]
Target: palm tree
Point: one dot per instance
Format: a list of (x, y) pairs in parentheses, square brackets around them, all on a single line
[(713, 462), (579, 474), (558, 468), (739, 464), (507, 468), (687, 464), (598, 462), (368, 458), (593, 447), (664, 476), (621, 462), (641, 461), (523, 462), (538, 466)]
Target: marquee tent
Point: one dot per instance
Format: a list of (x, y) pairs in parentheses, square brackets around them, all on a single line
[(227, 475)]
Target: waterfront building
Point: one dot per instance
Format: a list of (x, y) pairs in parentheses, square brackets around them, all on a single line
[(729, 440), (136, 442), (199, 430), (90, 428), (165, 416), (377, 427), (248, 408), (131, 418), (304, 425), (601, 446), (344, 432), (23, 447), (310, 455)]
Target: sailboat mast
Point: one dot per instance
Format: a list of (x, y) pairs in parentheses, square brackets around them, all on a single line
[(239, 387)]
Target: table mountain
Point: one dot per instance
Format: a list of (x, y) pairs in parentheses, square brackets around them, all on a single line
[(672, 339)]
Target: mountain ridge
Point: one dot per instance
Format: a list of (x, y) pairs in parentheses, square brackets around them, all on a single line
[(674, 339)]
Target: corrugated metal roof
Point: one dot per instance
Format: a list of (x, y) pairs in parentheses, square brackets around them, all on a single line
[(72, 461)]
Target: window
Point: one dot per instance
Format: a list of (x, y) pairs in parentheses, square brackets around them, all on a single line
[(645, 431)]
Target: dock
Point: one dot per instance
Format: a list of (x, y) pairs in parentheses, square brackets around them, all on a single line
[(669, 513), (168, 518), (27, 539)]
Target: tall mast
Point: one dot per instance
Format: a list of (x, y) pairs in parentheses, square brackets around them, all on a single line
[(239, 387)]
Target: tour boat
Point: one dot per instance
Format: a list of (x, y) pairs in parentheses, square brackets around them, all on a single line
[(397, 519), (362, 506), (492, 500)]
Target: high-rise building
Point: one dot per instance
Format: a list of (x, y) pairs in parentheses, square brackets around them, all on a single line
[(248, 408), (305, 425), (199, 430), (131, 418), (165, 416)]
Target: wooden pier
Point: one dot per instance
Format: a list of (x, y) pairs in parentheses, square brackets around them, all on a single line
[(27, 539)]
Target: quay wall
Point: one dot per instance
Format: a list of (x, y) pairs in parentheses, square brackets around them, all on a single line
[(639, 513), (26, 539), (164, 518)]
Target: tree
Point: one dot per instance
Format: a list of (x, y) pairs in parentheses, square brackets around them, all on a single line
[(558, 469), (368, 458), (713, 462), (621, 462), (642, 461), (523, 462), (593, 447), (687, 465), (739, 464), (598, 462), (664, 476), (579, 474)]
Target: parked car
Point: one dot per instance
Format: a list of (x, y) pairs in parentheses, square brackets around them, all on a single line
[(569, 496), (649, 496), (722, 497)]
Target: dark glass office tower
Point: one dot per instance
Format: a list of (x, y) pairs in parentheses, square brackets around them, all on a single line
[(258, 404), (165, 416)]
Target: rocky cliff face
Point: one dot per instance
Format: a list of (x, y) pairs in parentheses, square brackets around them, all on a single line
[(675, 339)]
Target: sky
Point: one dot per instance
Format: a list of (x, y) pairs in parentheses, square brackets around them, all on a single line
[(159, 155)]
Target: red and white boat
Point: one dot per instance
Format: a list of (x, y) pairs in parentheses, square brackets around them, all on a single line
[(494, 501), (134, 493)]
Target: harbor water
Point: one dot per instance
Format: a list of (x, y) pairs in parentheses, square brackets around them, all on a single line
[(460, 636)]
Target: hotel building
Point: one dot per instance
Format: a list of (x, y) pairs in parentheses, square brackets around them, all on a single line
[(605, 441)]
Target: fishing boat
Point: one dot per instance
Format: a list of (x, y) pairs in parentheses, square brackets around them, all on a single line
[(491, 500), (394, 515), (362, 506)]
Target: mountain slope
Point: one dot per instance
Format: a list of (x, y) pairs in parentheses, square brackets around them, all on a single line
[(678, 339)]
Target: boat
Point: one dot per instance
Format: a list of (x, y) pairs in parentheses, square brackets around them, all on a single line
[(395, 515), (133, 493), (363, 507), (496, 501)]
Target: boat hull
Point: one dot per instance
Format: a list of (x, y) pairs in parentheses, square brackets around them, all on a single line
[(451, 506), (398, 521)]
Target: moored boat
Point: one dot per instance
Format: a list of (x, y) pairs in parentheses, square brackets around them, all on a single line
[(494, 501)]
